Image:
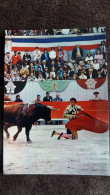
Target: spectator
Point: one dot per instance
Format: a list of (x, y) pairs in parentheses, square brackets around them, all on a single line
[(96, 64), (46, 73), (19, 66), (65, 31), (60, 55), (15, 76), (89, 57), (94, 29), (24, 71), (45, 56), (41, 32), (51, 77), (74, 77), (7, 58), (88, 65), (9, 32), (47, 97), (60, 72), (57, 98), (103, 49), (38, 66), (27, 57), (24, 77), (40, 77), (65, 76), (58, 66), (101, 29), (76, 71), (104, 70), (74, 31), (94, 71), (37, 55), (84, 70), (100, 74), (77, 54), (31, 69), (83, 60), (84, 30), (7, 77), (38, 99), (49, 32), (53, 72), (80, 65), (31, 77), (79, 32), (38, 72), (58, 32), (57, 77), (66, 67), (7, 99), (90, 30), (10, 67), (82, 76), (71, 64), (90, 74), (52, 54), (15, 58), (68, 73), (52, 65), (18, 99), (44, 64), (14, 70), (98, 57), (96, 96), (19, 58)]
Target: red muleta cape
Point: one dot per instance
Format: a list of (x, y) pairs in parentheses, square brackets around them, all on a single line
[(93, 120)]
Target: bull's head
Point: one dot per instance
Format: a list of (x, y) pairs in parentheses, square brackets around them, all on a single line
[(42, 112)]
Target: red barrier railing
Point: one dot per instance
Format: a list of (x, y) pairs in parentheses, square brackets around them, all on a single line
[(86, 105)]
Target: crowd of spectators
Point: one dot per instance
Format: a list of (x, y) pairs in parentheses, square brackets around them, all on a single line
[(54, 31), (51, 65)]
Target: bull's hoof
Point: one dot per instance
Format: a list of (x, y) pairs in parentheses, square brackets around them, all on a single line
[(8, 136), (29, 141), (14, 138)]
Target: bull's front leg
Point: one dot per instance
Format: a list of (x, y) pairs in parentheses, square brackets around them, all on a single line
[(27, 134), (6, 131), (16, 135)]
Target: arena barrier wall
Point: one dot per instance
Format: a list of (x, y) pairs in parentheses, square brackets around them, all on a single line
[(86, 105)]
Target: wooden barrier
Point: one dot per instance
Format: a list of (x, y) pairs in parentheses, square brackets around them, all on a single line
[(86, 105)]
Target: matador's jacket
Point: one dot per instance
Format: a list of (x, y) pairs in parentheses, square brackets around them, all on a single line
[(70, 111)]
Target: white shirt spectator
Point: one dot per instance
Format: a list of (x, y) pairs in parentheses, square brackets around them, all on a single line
[(37, 55), (82, 76), (101, 29), (96, 66), (87, 58), (94, 30), (52, 54), (65, 31), (53, 73), (16, 78)]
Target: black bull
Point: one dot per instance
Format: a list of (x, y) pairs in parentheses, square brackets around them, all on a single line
[(24, 115)]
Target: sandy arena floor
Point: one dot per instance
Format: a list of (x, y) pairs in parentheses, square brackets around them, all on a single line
[(89, 155)]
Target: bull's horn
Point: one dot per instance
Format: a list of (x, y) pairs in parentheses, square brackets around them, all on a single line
[(51, 107)]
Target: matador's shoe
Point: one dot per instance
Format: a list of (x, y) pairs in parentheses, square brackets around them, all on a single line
[(60, 135)]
